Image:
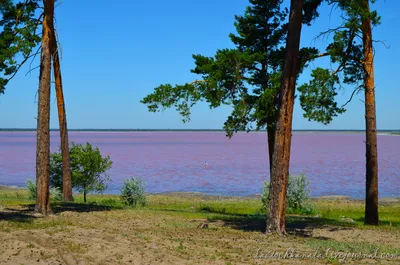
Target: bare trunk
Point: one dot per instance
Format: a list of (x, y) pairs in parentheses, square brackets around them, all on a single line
[(84, 195), (62, 119), (271, 142), (371, 199), (43, 119), (283, 134)]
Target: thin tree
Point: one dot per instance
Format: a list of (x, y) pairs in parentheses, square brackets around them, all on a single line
[(371, 199), (43, 119), (18, 39), (352, 50), (283, 135), (62, 119), (276, 217)]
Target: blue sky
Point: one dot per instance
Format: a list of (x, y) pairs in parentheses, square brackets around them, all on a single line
[(115, 53)]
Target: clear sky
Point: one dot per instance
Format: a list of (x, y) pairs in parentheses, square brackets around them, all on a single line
[(115, 53)]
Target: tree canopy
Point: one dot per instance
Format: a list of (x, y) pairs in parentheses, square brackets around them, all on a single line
[(88, 169), (346, 52), (19, 36), (247, 77)]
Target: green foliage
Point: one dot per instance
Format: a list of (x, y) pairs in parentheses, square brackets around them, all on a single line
[(31, 186), (297, 196), (55, 193), (243, 77), (318, 97), (88, 169), (265, 197), (346, 52), (132, 192), (246, 77), (18, 38)]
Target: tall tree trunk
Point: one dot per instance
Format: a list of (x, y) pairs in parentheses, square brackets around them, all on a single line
[(62, 119), (283, 135), (43, 119), (371, 199), (271, 142)]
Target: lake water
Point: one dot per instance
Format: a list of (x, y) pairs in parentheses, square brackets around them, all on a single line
[(175, 161)]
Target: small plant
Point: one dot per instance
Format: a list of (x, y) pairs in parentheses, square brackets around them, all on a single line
[(265, 197), (298, 193), (132, 192), (88, 169), (297, 196), (55, 193), (31, 189)]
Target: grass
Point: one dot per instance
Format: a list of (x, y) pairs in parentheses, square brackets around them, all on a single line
[(166, 229), (214, 207), (350, 247)]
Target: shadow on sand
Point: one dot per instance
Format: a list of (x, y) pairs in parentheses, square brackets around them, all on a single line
[(16, 216), (26, 212), (295, 225)]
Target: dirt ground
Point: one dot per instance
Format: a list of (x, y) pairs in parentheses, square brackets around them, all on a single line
[(144, 236)]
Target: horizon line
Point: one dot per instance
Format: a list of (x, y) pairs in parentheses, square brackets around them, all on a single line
[(222, 130)]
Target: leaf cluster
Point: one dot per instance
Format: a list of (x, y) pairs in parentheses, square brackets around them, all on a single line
[(18, 36), (88, 168), (243, 77), (347, 52)]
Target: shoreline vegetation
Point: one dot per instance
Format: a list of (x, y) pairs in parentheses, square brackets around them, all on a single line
[(190, 228), (253, 196)]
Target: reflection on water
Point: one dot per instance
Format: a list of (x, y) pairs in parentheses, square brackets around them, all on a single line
[(175, 161)]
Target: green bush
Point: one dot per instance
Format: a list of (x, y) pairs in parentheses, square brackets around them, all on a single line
[(264, 197), (132, 192), (88, 169), (55, 193), (297, 197), (31, 189)]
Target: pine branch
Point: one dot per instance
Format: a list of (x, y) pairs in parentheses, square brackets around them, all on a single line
[(20, 65), (352, 95)]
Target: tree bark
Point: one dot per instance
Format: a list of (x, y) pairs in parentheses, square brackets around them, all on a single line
[(271, 142), (371, 199), (84, 195), (276, 222), (43, 119), (62, 119)]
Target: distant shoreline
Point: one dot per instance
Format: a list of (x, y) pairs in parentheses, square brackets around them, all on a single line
[(380, 132)]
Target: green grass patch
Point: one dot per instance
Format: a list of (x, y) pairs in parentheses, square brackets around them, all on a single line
[(228, 209)]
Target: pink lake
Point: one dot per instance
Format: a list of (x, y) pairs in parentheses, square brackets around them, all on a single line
[(175, 161)]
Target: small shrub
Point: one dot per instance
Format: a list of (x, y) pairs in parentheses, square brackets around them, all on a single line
[(264, 197), (55, 193), (88, 169), (297, 197), (31, 189), (132, 192), (298, 193)]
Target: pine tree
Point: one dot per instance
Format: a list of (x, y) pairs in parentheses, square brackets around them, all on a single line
[(19, 38), (43, 119), (247, 77), (352, 50)]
